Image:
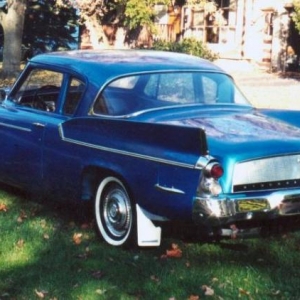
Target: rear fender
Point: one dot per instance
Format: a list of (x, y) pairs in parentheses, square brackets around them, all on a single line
[(158, 142)]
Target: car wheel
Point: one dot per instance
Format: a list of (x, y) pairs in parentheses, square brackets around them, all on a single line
[(114, 212)]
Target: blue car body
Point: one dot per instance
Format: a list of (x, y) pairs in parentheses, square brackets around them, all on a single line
[(92, 126)]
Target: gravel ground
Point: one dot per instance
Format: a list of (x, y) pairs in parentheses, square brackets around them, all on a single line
[(264, 89)]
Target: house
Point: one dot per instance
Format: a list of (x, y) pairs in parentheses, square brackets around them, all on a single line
[(257, 30)]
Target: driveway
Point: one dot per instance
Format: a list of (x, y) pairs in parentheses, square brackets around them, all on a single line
[(263, 89)]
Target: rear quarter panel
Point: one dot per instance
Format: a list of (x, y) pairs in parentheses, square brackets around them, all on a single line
[(142, 155)]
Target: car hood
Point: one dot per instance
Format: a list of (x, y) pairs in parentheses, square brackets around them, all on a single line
[(245, 132)]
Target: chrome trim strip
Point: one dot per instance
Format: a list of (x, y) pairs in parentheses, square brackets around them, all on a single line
[(168, 189), (123, 152), (15, 127), (37, 124)]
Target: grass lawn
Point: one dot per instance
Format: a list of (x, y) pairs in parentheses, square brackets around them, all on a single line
[(45, 253)]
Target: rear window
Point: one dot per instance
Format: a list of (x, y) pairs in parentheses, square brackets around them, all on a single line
[(128, 95)]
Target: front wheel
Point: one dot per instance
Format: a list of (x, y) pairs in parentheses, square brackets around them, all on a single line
[(114, 212)]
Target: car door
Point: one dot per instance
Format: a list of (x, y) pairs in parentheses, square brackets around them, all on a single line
[(24, 116)]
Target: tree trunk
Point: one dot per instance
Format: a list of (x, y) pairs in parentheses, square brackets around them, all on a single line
[(97, 37), (105, 36), (12, 22)]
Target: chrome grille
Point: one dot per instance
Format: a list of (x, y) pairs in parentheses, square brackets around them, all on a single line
[(267, 173)]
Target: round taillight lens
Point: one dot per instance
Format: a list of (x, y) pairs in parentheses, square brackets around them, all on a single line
[(216, 171)]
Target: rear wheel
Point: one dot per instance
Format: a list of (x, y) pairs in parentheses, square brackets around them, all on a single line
[(114, 212)]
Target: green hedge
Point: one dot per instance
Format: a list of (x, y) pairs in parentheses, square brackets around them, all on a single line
[(188, 45)]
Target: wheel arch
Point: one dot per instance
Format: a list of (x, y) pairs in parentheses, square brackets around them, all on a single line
[(93, 175)]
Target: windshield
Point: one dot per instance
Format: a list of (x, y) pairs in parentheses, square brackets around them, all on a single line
[(131, 94)]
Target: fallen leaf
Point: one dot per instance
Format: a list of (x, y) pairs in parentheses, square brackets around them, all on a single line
[(20, 243), (244, 292), (46, 236), (177, 253), (41, 294), (100, 292), (207, 290), (3, 207), (154, 278), (174, 252), (77, 238), (174, 246), (43, 223), (276, 293), (194, 297), (98, 274), (22, 216)]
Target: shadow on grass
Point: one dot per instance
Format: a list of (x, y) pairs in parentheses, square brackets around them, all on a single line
[(50, 262)]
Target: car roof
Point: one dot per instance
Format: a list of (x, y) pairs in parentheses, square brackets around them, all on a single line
[(102, 65)]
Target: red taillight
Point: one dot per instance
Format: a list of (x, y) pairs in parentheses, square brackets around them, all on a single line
[(214, 170)]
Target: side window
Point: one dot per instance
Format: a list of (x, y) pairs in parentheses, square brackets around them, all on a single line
[(74, 94), (118, 98), (40, 90)]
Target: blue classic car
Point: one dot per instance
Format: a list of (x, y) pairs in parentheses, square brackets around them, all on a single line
[(150, 138)]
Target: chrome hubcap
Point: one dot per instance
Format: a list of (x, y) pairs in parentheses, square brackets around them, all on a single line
[(117, 212)]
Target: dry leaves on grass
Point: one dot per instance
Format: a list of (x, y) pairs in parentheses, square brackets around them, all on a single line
[(155, 278), (41, 294), (243, 292), (208, 291), (3, 207), (22, 216), (97, 274), (20, 243), (174, 252), (77, 238)]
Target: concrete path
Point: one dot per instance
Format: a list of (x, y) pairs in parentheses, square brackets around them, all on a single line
[(263, 89)]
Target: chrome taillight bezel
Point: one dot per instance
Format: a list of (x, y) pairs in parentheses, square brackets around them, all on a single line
[(209, 180)]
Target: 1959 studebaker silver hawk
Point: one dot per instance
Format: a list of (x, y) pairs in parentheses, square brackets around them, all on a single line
[(150, 137)]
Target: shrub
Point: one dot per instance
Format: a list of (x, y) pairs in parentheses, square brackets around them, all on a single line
[(188, 45)]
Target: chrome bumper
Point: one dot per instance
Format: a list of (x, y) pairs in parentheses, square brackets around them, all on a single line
[(222, 212)]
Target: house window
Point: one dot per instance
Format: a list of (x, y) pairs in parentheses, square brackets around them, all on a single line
[(215, 22), (219, 20)]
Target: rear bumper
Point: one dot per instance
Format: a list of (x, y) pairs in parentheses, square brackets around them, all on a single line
[(230, 213)]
